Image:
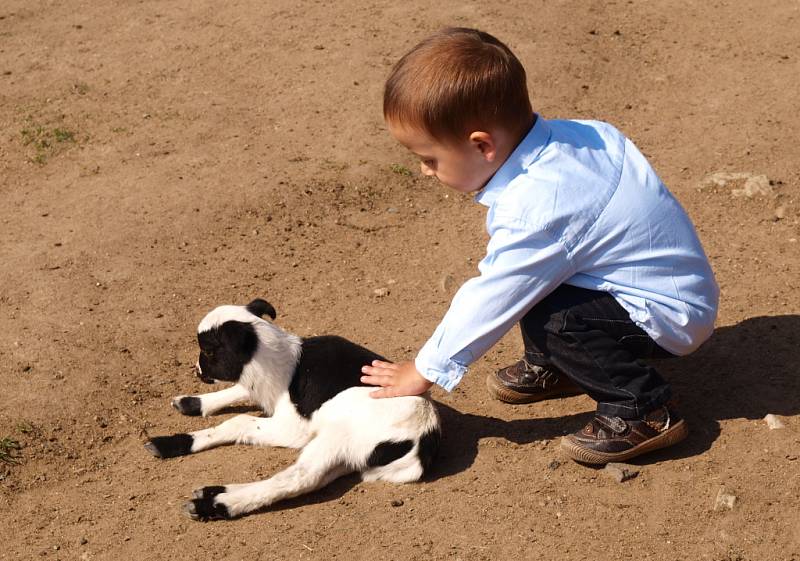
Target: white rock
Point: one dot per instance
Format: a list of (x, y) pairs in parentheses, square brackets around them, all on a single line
[(752, 185), (381, 292), (773, 422), (620, 472), (724, 500)]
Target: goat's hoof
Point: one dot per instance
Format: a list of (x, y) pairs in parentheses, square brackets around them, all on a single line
[(170, 446), (188, 405), (204, 509)]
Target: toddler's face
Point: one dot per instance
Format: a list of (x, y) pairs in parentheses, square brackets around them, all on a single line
[(459, 165)]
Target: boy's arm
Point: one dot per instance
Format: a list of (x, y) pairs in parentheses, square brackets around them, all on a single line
[(521, 266)]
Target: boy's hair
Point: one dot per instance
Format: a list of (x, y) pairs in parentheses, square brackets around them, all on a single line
[(456, 81)]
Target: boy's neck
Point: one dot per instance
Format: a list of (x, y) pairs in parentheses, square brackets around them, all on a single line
[(516, 140)]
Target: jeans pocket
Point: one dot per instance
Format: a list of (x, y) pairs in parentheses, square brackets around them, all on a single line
[(639, 345)]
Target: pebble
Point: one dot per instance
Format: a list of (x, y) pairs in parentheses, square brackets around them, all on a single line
[(381, 292), (392, 210), (84, 541), (724, 500), (448, 283), (773, 422), (620, 472), (397, 502), (553, 465)]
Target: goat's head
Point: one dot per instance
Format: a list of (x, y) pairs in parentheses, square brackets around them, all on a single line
[(229, 340)]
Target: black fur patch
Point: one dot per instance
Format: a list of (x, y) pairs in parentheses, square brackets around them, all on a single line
[(387, 452), (328, 365), (189, 405), (209, 492), (224, 350), (170, 446), (259, 307), (428, 448), (205, 509)]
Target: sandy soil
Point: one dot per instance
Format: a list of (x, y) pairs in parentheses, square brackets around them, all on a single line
[(159, 158)]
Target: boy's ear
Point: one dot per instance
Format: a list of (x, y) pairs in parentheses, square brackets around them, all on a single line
[(485, 143)]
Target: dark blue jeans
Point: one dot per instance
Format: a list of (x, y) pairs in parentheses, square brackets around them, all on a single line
[(589, 337)]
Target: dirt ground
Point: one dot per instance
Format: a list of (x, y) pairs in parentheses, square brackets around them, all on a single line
[(160, 158)]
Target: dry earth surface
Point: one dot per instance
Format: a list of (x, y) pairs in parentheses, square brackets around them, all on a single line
[(159, 158)]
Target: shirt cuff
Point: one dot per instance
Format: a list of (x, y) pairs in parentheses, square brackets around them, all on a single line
[(447, 376)]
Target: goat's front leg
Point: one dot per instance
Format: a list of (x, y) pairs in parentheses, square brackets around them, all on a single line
[(209, 403), (241, 429)]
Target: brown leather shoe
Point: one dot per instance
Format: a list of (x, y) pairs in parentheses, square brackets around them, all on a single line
[(524, 382), (611, 439)]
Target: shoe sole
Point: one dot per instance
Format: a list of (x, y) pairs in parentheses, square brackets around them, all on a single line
[(506, 395), (672, 435)]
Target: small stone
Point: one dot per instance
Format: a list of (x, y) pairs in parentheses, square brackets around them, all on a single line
[(780, 213), (381, 292), (448, 283), (397, 502), (773, 422), (724, 501), (620, 472), (392, 210), (84, 541), (554, 465)]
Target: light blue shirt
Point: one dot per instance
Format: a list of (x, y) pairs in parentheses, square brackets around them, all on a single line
[(577, 203)]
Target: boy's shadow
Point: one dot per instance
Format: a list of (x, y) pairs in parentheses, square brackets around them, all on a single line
[(744, 371)]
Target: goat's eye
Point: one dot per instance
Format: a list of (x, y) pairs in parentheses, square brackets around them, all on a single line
[(208, 353)]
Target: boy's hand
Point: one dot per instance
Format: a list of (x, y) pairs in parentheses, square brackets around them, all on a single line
[(396, 379)]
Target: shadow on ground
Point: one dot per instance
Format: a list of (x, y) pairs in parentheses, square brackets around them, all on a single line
[(745, 371)]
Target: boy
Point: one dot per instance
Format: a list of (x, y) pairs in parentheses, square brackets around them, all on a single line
[(589, 252)]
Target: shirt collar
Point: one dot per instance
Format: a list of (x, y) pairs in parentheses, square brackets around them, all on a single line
[(517, 163)]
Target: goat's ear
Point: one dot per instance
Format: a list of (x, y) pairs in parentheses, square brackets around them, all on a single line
[(259, 307)]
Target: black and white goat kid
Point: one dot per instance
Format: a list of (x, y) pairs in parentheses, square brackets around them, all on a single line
[(311, 391)]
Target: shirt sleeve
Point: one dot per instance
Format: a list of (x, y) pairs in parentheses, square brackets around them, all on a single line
[(521, 266)]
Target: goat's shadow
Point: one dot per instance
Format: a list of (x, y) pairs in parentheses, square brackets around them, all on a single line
[(745, 371)]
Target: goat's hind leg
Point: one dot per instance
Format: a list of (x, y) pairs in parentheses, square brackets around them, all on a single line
[(209, 403), (317, 466)]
